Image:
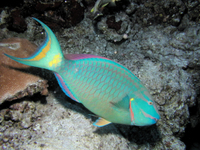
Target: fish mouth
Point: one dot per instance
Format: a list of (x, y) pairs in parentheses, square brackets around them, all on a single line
[(154, 120)]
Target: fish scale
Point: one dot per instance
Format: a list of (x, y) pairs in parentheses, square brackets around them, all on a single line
[(96, 79), (86, 88), (103, 86)]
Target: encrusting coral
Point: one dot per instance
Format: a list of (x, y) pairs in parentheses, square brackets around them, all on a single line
[(15, 82)]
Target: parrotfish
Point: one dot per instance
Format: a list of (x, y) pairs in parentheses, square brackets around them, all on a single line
[(103, 86)]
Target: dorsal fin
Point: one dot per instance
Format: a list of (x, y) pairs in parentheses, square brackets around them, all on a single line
[(81, 56)]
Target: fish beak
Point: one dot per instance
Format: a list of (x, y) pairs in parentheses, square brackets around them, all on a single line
[(155, 119)]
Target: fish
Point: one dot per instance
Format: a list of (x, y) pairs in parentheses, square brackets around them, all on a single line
[(100, 5), (105, 87)]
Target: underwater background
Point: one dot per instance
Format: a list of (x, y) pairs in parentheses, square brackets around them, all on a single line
[(159, 41)]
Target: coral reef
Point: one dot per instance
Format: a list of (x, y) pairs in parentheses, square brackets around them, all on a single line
[(15, 79), (157, 40)]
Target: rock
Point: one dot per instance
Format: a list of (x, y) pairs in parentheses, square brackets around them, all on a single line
[(17, 22), (60, 14), (58, 121), (115, 28), (111, 22), (15, 80)]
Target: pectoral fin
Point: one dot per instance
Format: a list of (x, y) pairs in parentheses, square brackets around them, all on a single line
[(123, 104), (101, 122)]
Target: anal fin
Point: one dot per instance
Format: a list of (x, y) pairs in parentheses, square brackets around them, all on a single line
[(101, 122)]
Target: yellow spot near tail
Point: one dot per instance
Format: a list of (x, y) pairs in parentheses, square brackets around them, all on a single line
[(132, 99), (55, 61)]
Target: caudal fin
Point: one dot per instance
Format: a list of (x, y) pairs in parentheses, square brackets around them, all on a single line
[(49, 55)]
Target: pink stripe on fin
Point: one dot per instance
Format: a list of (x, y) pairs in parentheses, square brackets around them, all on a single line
[(82, 56), (64, 87)]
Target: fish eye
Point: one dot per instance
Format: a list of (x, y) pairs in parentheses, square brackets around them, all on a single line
[(150, 103)]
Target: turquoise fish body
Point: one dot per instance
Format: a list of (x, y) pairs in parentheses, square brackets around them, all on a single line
[(103, 86)]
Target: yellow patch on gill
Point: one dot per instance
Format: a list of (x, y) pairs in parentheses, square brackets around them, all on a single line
[(132, 99), (55, 61)]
